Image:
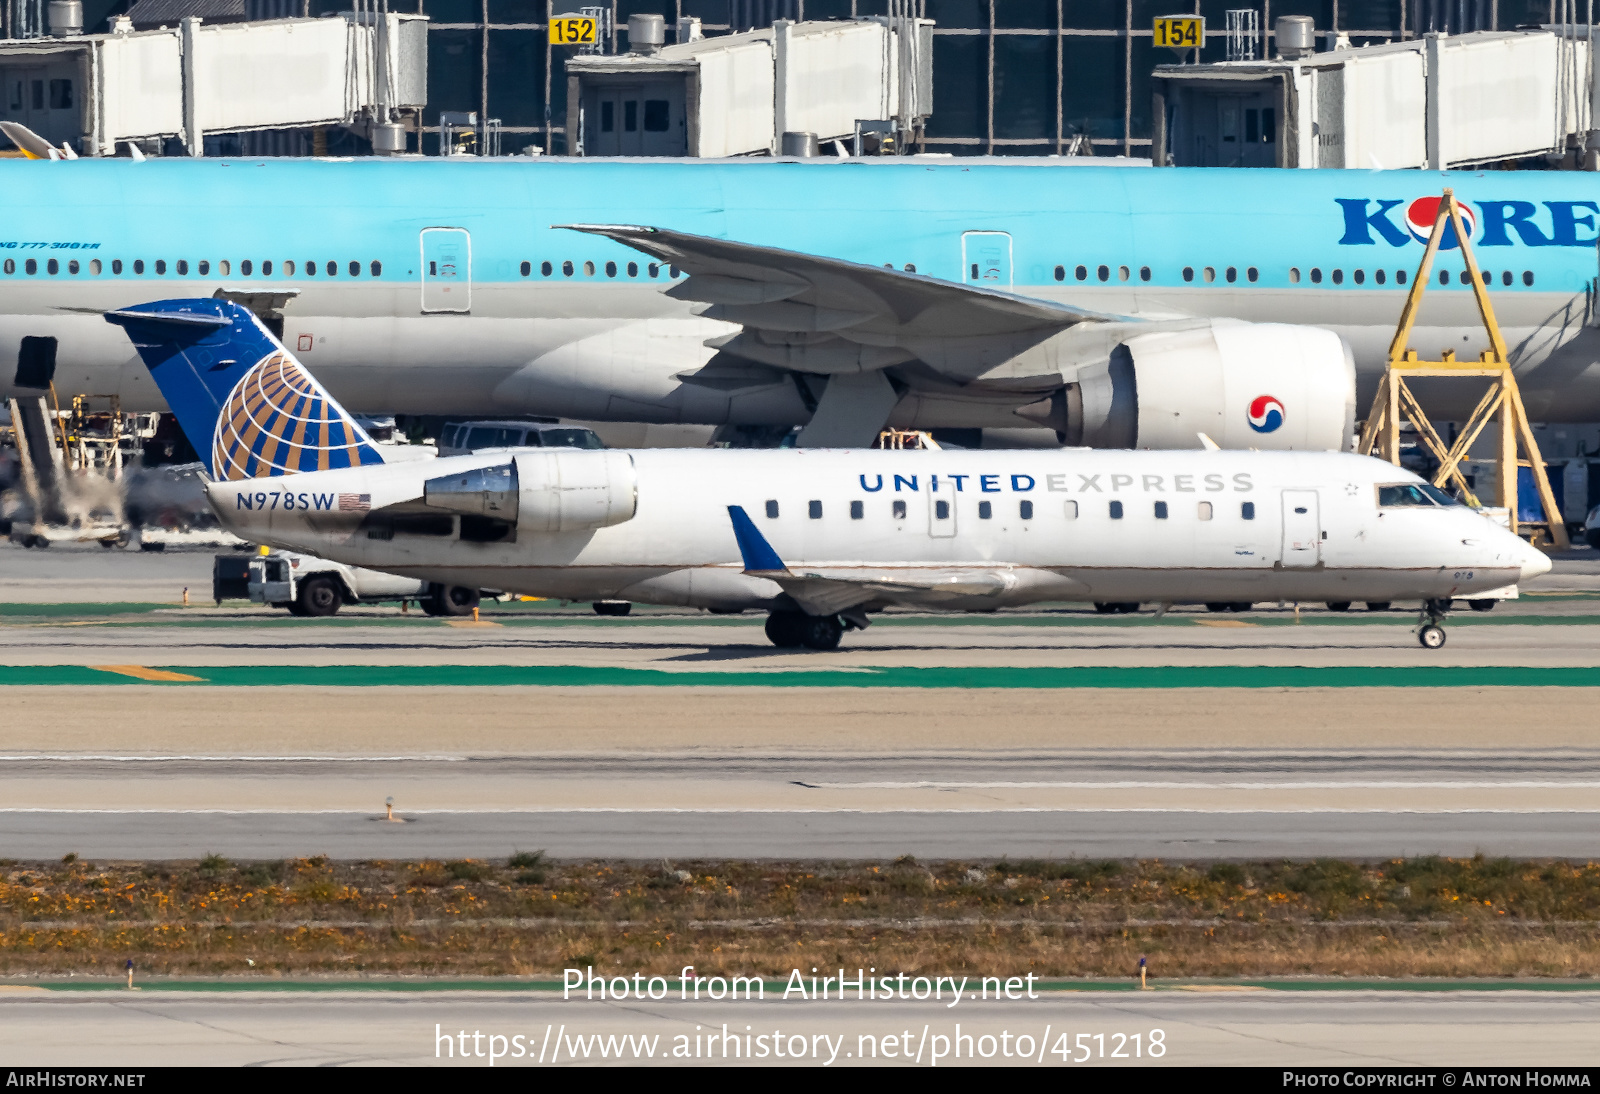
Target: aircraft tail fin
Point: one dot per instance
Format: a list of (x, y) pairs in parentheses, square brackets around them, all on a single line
[(28, 142), (250, 409), (754, 550)]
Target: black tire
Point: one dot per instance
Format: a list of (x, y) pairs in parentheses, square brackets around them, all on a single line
[(452, 599), (1217, 605), (1338, 605), (1482, 605), (152, 546), (1241, 605), (821, 632), (1377, 605), (1128, 607), (612, 607), (1431, 637), (785, 629), (725, 611), (319, 597), (294, 609), (1104, 607)]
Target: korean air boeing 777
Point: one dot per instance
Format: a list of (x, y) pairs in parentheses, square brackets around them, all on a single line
[(820, 539), (1119, 306)]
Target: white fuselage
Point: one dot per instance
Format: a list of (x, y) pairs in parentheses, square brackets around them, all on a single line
[(1238, 526)]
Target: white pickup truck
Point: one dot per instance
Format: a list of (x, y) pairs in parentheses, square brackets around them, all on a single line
[(312, 586)]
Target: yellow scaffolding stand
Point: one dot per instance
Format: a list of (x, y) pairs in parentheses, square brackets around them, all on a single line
[(1380, 435)]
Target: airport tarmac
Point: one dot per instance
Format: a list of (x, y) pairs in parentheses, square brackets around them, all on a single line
[(1219, 1026), (139, 728)]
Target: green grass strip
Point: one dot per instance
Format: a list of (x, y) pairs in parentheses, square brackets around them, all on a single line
[(1225, 676)]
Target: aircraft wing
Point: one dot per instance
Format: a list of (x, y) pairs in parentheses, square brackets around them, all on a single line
[(828, 591), (812, 314)]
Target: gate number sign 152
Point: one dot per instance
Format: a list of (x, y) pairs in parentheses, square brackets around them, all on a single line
[(573, 30), (1180, 31)]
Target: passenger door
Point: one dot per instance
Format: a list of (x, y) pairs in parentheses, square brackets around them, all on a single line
[(986, 259), (1302, 530), (446, 270), (941, 516)]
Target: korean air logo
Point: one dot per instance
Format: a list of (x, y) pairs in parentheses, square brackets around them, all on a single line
[(1420, 215), (1266, 414)]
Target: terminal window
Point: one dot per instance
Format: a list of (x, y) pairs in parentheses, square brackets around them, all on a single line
[(656, 115)]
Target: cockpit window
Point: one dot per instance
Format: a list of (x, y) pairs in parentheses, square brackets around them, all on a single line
[(1413, 494)]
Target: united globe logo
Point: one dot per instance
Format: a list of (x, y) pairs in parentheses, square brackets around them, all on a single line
[(1266, 414)]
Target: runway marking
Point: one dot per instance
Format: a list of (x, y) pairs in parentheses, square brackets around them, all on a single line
[(982, 810), (1222, 623), (140, 672), (1394, 784), (469, 623), (853, 676)]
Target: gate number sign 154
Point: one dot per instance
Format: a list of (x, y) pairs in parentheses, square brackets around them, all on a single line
[(1180, 31)]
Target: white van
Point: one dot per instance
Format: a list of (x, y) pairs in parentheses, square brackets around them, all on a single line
[(461, 438)]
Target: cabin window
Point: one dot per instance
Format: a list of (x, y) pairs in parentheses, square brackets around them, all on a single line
[(911, 267), (611, 269), (138, 266), (1444, 277), (566, 268), (266, 268), (1465, 278), (1116, 510), (653, 270), (377, 269), (1103, 273), (11, 265), (1250, 274), (161, 266), (1144, 273), (899, 510), (72, 267), (672, 271), (1061, 273), (1294, 275), (333, 269), (941, 510), (974, 271), (1209, 274), (1081, 273), (355, 269), (1247, 510), (203, 267), (985, 510), (31, 266), (51, 266), (183, 266), (1399, 277), (546, 269), (244, 267), (1026, 510), (224, 267), (288, 268), (772, 510), (1161, 510), (633, 269), (1205, 510), (1359, 276), (1188, 273), (1379, 276), (1527, 277), (527, 268), (1316, 276), (1506, 278), (814, 510), (1071, 510), (1231, 274), (857, 510), (588, 269), (1338, 277)]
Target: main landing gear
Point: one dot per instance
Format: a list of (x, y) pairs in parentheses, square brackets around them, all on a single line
[(1429, 631), (788, 630)]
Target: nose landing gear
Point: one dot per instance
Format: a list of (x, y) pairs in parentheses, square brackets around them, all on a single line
[(1429, 631)]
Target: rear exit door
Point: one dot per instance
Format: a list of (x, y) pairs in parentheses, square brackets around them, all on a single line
[(1302, 530), (986, 259)]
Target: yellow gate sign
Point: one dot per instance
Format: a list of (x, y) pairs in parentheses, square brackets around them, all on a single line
[(1180, 32), (574, 30)]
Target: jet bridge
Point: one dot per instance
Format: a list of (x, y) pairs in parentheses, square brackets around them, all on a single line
[(367, 71)]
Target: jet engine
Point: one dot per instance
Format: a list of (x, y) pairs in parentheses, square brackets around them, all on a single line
[(550, 491), (1244, 385)]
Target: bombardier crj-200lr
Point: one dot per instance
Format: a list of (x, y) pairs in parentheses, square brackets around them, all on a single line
[(1123, 307), (820, 538)]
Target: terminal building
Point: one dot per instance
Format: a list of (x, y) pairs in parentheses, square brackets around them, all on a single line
[(999, 77)]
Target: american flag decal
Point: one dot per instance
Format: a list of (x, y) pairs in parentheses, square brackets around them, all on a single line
[(357, 502)]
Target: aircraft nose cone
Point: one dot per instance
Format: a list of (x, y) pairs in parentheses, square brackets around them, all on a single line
[(1534, 562)]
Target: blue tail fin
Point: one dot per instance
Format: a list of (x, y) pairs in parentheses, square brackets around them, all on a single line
[(249, 408), (757, 553)]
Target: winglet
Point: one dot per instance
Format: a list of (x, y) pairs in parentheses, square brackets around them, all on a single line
[(758, 555), (1208, 444)]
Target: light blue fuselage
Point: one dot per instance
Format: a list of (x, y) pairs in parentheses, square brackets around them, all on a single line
[(604, 342)]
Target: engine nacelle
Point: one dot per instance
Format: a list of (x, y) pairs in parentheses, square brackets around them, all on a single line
[(1244, 385), (558, 490)]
